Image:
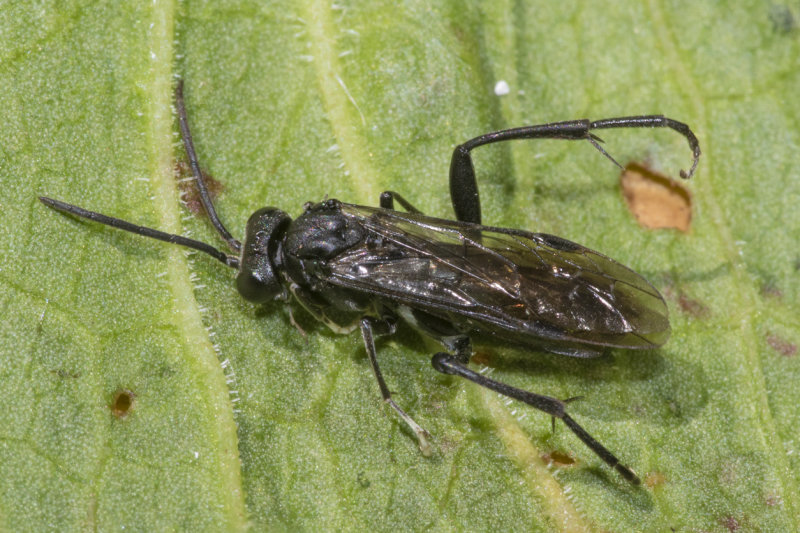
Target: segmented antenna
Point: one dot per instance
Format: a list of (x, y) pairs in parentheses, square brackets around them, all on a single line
[(205, 198), (64, 207)]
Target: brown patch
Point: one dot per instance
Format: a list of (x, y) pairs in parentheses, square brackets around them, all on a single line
[(189, 194), (122, 403), (481, 358), (730, 523), (558, 458), (692, 307), (781, 345), (654, 479), (655, 200)]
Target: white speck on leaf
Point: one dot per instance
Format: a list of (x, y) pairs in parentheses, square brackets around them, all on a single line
[(501, 88)]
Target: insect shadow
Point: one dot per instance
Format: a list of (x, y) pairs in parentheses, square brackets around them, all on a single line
[(368, 268)]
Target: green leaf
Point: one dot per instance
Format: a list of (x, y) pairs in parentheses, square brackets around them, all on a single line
[(238, 420)]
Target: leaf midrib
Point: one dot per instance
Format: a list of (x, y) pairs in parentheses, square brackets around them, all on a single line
[(188, 319)]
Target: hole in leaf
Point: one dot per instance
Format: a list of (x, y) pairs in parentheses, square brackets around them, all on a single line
[(655, 200)]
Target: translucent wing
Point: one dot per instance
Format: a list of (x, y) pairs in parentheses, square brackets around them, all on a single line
[(523, 287)]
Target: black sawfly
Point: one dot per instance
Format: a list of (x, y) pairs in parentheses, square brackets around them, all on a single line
[(356, 267)]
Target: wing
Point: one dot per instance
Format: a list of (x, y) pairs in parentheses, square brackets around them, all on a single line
[(523, 287)]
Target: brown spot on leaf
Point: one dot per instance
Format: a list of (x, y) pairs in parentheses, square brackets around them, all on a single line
[(122, 403), (655, 200), (730, 523), (482, 358), (692, 307), (558, 458), (781, 345), (189, 194), (654, 479)]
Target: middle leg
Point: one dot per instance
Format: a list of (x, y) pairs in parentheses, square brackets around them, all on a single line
[(367, 327)]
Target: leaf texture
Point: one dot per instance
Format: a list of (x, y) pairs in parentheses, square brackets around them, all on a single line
[(237, 420)]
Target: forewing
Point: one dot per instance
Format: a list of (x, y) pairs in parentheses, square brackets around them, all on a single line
[(517, 285)]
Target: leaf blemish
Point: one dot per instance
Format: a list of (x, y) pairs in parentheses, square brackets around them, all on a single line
[(481, 358), (782, 19), (730, 523), (122, 403), (655, 479), (655, 200), (189, 193), (692, 307), (363, 481), (558, 458), (60, 372), (781, 345)]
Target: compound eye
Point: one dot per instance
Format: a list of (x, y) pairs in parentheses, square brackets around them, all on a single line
[(257, 281)]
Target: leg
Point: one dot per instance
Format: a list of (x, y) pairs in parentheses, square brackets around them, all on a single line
[(388, 198), (367, 326), (464, 187), (449, 364)]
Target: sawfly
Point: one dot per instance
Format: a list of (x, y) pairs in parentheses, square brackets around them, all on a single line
[(367, 268)]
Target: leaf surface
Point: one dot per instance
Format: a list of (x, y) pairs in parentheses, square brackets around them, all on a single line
[(237, 419)]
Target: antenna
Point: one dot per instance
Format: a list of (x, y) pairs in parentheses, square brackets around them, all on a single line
[(205, 198), (63, 207)]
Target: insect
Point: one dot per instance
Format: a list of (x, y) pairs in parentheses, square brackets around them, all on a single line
[(357, 267)]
